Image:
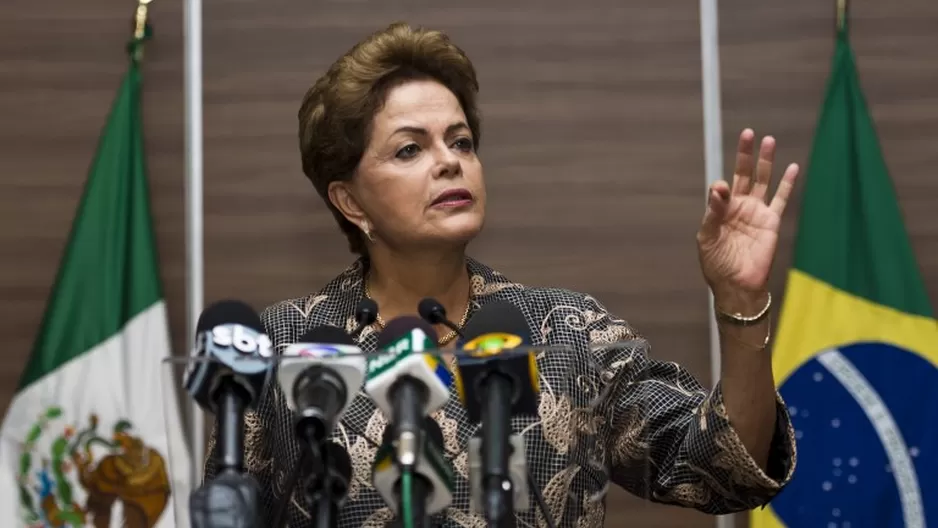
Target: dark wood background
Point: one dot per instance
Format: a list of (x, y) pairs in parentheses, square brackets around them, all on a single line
[(593, 143)]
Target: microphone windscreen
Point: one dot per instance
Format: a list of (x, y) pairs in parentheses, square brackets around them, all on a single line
[(434, 433), (327, 335), (400, 327), (226, 313), (431, 310), (340, 460), (498, 317), (366, 312)]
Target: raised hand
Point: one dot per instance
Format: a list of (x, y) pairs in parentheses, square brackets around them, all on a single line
[(739, 234)]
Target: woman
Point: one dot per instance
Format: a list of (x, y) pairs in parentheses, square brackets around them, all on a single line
[(389, 138)]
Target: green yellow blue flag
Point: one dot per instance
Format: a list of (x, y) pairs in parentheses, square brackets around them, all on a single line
[(856, 355)]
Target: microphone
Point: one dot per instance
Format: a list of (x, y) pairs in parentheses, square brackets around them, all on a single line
[(406, 382), (229, 501), (366, 313), (230, 372), (496, 329), (517, 469), (433, 312), (495, 383), (431, 482), (320, 376), (326, 490)]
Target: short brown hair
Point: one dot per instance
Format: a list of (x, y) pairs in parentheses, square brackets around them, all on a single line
[(336, 114)]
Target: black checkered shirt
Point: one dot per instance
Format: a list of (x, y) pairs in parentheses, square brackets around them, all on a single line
[(607, 413)]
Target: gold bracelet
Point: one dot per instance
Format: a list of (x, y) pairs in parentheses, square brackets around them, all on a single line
[(742, 320)]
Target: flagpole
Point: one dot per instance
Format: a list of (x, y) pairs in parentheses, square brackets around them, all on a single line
[(192, 59), (841, 14), (713, 157)]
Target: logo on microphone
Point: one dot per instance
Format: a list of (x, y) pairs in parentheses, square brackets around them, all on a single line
[(416, 342), (439, 369), (245, 340), (491, 344), (318, 351)]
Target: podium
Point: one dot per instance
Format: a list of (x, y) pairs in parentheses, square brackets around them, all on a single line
[(592, 411)]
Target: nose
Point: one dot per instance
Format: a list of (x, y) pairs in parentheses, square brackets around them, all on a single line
[(448, 164)]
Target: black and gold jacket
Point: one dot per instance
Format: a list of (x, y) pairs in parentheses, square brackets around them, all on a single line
[(615, 417)]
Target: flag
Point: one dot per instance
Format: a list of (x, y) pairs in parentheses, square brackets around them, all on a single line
[(856, 353), (85, 441)]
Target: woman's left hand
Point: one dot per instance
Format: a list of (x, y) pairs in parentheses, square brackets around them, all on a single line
[(739, 234)]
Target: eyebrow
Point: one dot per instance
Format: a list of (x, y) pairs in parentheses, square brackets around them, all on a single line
[(423, 131)]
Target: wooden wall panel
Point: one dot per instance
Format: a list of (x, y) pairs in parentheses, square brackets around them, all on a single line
[(775, 63), (592, 143), (60, 67)]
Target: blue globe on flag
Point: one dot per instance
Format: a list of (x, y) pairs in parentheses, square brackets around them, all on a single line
[(867, 440)]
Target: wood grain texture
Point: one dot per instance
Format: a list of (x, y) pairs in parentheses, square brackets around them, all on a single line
[(60, 68), (775, 64), (592, 144)]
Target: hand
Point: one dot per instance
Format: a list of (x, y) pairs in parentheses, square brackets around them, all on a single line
[(739, 234)]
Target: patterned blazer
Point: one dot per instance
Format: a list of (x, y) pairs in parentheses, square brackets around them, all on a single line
[(624, 418)]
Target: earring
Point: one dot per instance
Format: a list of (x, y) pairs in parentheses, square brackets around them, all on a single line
[(367, 232)]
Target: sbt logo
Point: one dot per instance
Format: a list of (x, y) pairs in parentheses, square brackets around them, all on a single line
[(243, 339)]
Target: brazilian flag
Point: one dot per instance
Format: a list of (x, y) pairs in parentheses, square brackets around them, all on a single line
[(856, 353)]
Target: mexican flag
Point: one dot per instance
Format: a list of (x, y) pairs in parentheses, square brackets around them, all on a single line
[(89, 436), (856, 354)]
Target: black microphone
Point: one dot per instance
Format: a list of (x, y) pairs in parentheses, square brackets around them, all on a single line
[(406, 381), (517, 469), (327, 489), (366, 313), (229, 501), (432, 311), (230, 371), (497, 328), (495, 383), (319, 375)]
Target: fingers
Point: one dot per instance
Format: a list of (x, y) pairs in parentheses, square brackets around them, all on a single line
[(753, 176), (718, 199), (784, 189), (764, 168), (742, 174)]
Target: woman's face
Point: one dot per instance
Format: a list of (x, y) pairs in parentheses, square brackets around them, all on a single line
[(419, 183)]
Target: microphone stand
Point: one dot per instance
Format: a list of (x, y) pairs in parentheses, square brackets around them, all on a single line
[(231, 431), (326, 491), (497, 491), (318, 485), (319, 493), (409, 397), (419, 491), (232, 498)]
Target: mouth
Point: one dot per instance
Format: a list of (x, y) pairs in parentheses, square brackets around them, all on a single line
[(453, 198)]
